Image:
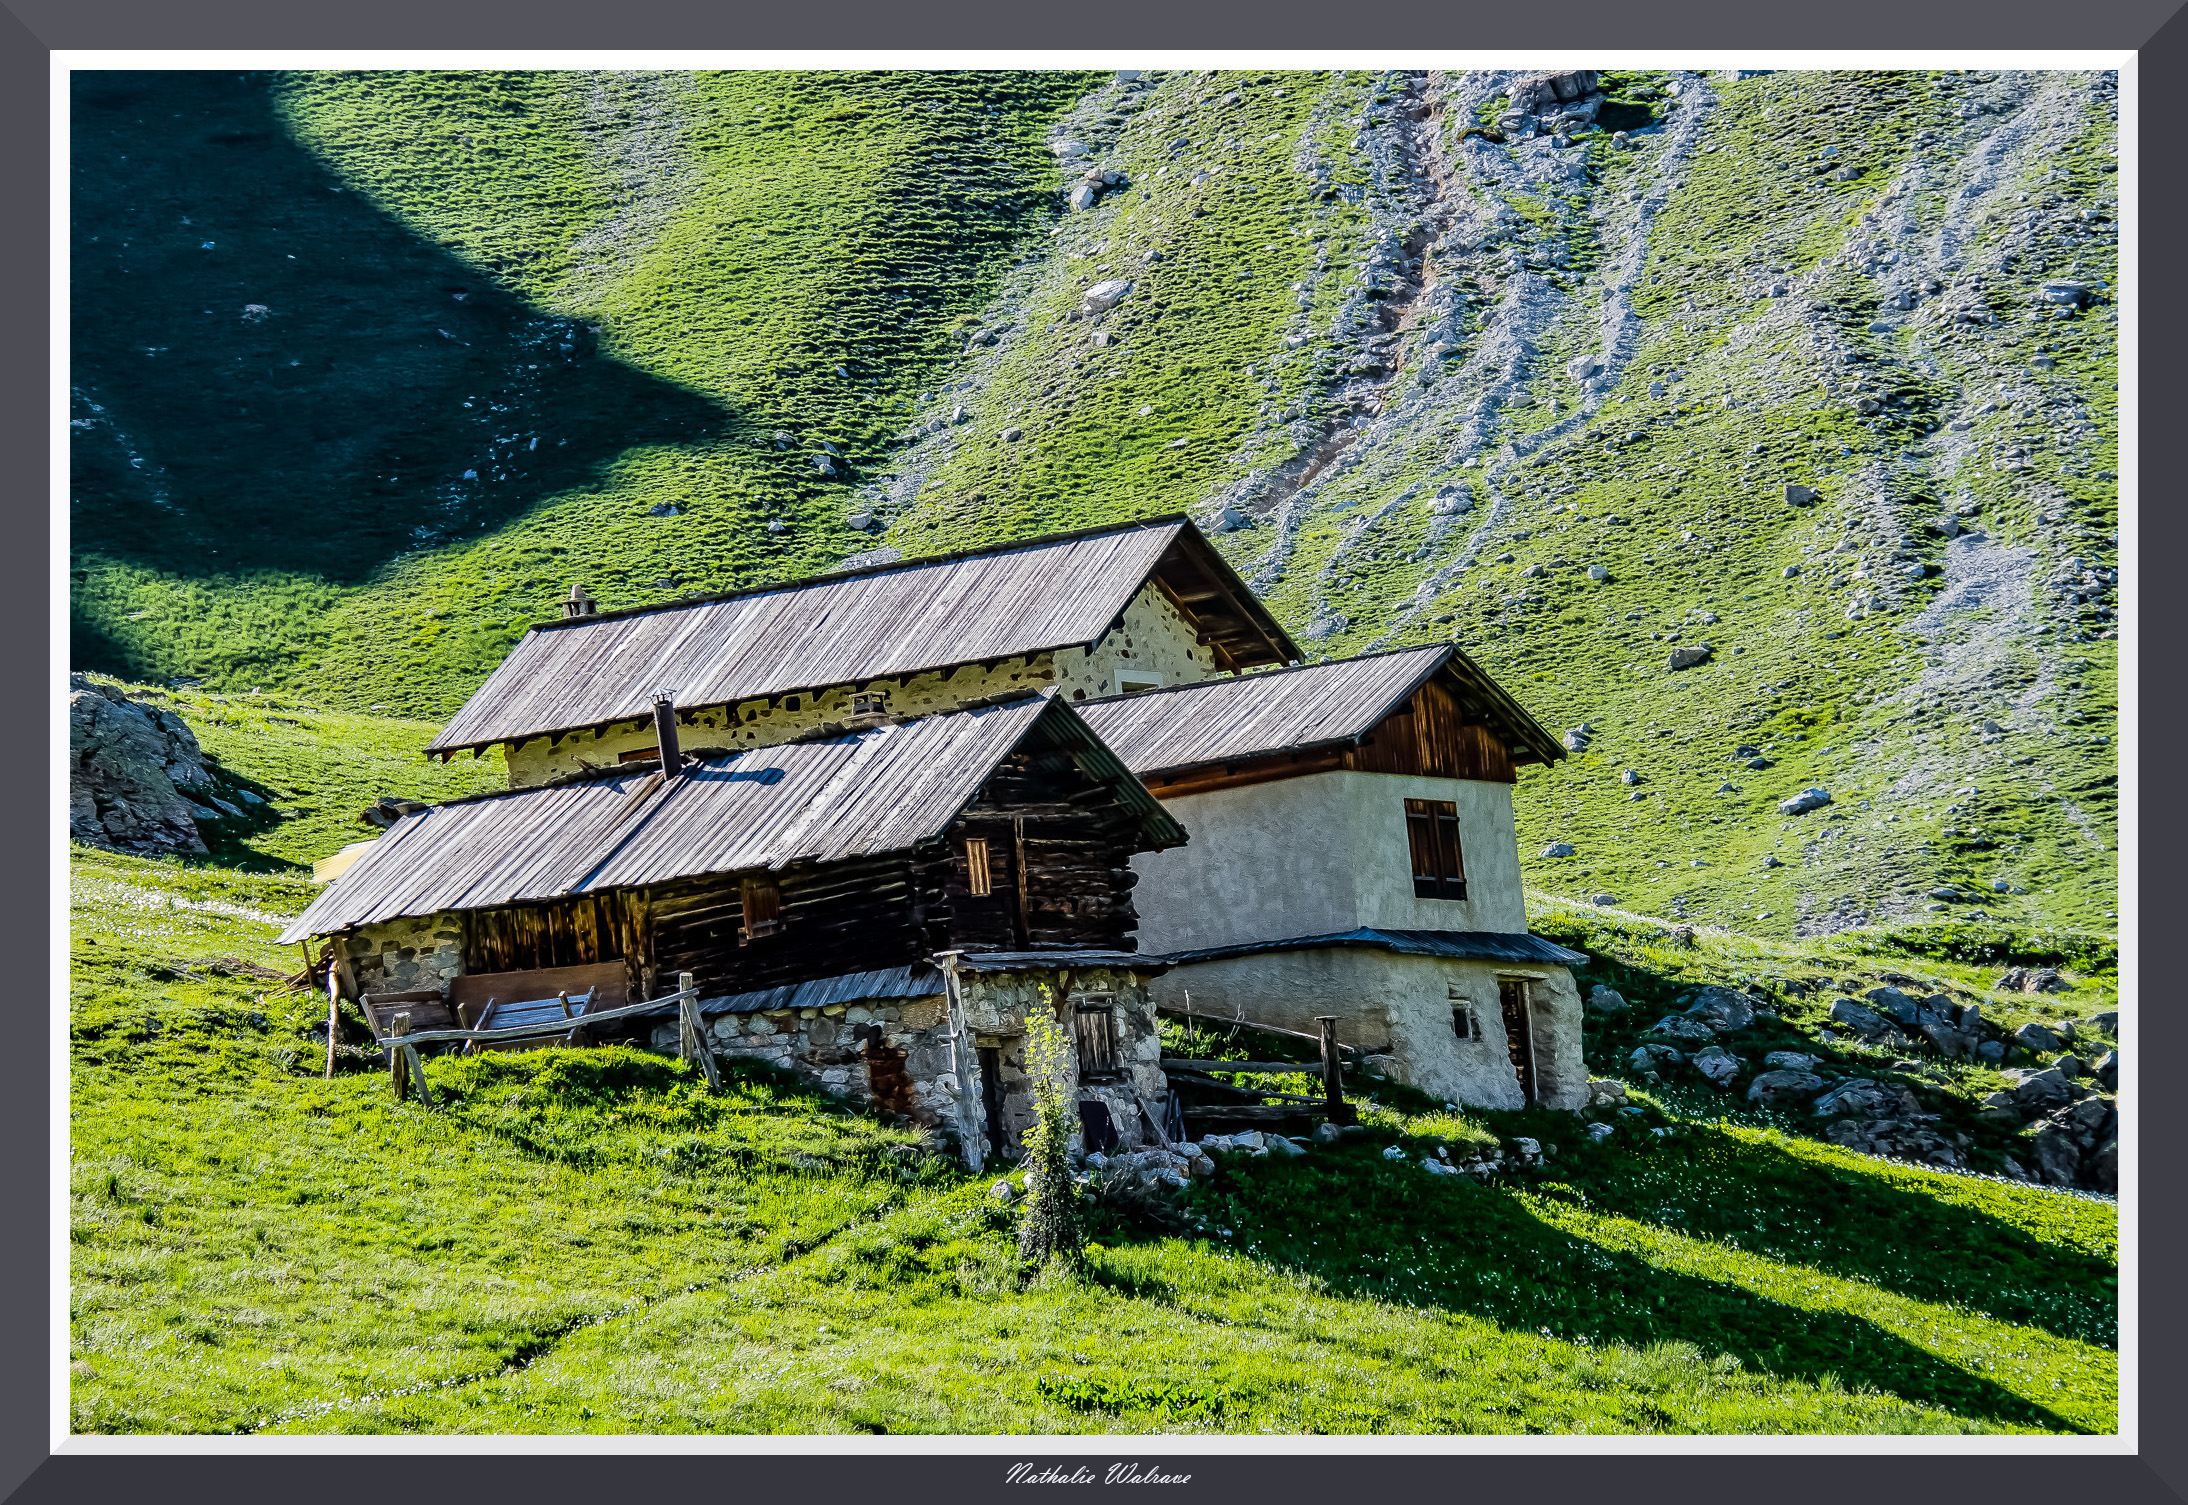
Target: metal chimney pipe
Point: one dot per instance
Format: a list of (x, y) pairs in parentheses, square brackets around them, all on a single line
[(664, 730)]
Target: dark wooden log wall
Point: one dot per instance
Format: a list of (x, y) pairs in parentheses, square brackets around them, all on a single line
[(1429, 735), (1076, 879), (575, 932), (851, 916)]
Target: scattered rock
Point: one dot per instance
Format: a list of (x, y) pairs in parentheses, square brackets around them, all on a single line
[(1784, 1088), (2107, 1070), (1723, 1009), (1800, 496), (1103, 296), (1603, 1093), (1691, 655), (2041, 1091), (1791, 1060), (1808, 799), (2035, 1037), (2033, 980), (1864, 1022), (1861, 1098), (1558, 849), (1604, 901), (1605, 1001), (1682, 1027), (1718, 1065), (1002, 1191)]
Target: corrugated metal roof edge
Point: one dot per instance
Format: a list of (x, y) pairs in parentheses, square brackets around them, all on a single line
[(1453, 658), (1266, 620), (830, 577), (1442, 651), (1482, 945), (1157, 824)]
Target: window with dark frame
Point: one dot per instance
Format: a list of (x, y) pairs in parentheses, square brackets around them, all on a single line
[(1432, 835), (763, 907), (1462, 1021), (1094, 1032), (978, 876)]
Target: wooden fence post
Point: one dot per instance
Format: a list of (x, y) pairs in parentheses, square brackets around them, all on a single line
[(334, 1015), (398, 1061), (693, 1031), (1333, 1088)]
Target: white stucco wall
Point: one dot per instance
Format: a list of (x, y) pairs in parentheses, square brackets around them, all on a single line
[(1321, 853), (1380, 996)]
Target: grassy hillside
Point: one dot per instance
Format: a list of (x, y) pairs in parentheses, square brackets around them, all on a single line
[(257, 1250), (540, 328)]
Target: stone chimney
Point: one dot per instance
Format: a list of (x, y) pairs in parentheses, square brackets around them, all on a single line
[(664, 730), (579, 604)]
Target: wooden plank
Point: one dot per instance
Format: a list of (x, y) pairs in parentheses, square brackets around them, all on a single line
[(1181, 1063), (1247, 1117), (334, 1016)]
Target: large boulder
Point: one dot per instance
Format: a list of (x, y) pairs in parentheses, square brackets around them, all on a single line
[(1606, 1000), (1681, 1027), (1867, 1023), (1723, 1009), (1718, 1065), (2058, 1157), (1784, 1089), (129, 764), (2033, 1036), (1865, 1099), (2041, 1091)]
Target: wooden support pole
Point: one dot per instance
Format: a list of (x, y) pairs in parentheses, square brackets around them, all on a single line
[(694, 1030), (1333, 1076), (334, 1016), (398, 1056)]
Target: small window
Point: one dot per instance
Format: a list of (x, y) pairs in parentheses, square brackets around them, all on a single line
[(1094, 1031), (763, 904), (1462, 1021), (977, 874), (1137, 681), (1432, 835), (651, 754), (792, 703)]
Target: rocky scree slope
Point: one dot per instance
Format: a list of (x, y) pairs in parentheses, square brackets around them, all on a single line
[(1758, 431)]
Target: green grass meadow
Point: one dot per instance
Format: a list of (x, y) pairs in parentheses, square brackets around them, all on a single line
[(585, 1241)]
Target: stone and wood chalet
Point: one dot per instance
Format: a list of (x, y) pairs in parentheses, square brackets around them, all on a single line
[(1352, 853), (877, 816)]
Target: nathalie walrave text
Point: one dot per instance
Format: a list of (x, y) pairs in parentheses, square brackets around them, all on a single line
[(1116, 1473)]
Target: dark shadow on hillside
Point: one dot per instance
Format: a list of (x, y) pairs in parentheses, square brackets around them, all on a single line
[(1891, 1238), (1392, 1234), (270, 372)]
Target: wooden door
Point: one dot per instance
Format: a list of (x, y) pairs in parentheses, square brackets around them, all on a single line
[(1519, 1035), (991, 1099)]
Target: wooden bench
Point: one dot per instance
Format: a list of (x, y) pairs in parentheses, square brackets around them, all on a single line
[(513, 1000), (427, 1010)]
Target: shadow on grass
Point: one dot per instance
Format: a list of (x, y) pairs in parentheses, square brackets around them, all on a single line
[(1861, 1227), (1364, 1228)]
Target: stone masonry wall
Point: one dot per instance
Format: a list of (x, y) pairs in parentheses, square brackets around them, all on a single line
[(762, 723), (405, 956)]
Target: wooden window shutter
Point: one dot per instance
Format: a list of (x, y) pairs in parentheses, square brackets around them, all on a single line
[(1432, 837), (763, 906), (978, 875), (1094, 1032)]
